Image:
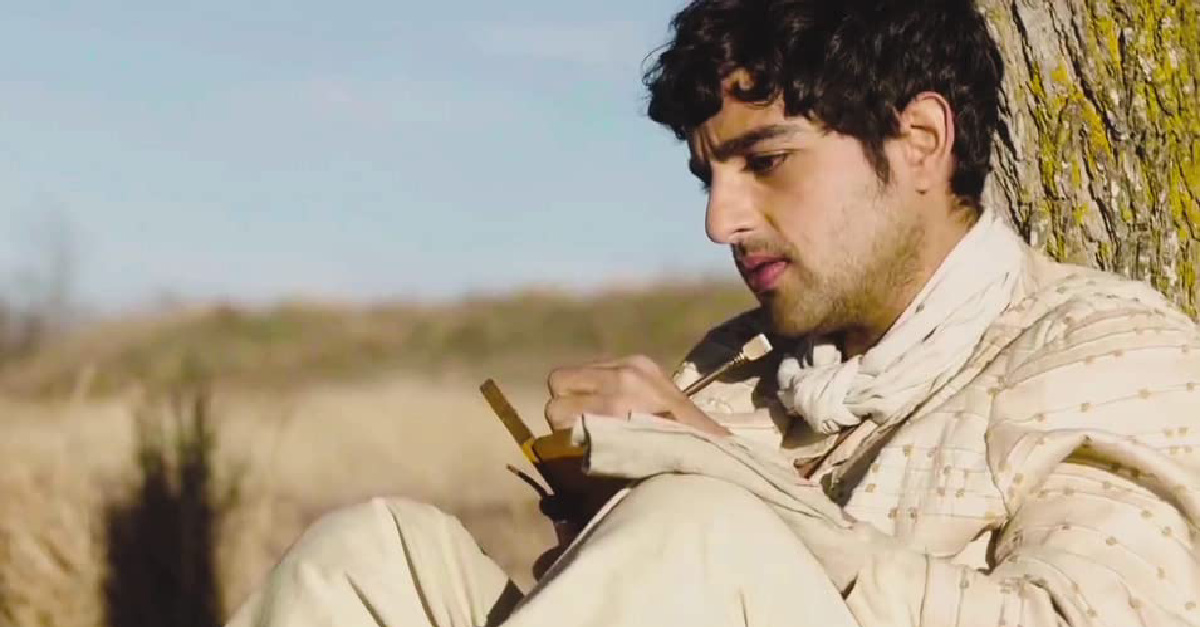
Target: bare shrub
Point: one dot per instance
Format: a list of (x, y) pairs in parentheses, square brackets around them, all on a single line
[(162, 541)]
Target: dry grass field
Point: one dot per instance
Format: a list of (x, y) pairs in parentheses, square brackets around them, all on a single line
[(117, 508)]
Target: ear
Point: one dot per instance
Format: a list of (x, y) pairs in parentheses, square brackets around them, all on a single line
[(927, 138)]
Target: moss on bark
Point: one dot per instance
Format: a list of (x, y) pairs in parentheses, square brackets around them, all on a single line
[(1099, 159)]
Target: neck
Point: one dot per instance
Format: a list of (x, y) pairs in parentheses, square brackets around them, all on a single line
[(940, 239)]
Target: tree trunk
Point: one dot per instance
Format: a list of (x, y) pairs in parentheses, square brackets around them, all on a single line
[(1099, 157)]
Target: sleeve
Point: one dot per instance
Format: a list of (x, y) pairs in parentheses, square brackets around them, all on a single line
[(1095, 444)]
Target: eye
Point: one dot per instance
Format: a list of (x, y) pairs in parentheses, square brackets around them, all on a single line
[(763, 164)]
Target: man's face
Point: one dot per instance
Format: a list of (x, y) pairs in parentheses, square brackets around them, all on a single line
[(815, 234)]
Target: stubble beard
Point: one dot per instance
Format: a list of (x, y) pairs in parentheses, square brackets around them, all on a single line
[(806, 303), (800, 304)]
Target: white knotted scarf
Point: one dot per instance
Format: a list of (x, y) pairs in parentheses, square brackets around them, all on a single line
[(927, 345)]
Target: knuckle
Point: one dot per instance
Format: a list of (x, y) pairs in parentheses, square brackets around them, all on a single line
[(628, 377), (554, 380), (556, 414), (643, 364)]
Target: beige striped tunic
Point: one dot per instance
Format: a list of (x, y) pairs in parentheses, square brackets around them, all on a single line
[(1055, 480)]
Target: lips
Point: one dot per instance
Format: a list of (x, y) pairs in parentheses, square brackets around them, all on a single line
[(762, 272)]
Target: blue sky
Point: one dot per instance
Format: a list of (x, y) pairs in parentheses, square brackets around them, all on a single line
[(355, 150)]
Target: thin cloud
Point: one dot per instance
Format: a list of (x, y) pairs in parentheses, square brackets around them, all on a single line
[(369, 103), (603, 45)]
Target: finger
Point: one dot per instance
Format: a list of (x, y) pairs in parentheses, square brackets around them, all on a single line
[(642, 364), (562, 412), (587, 379), (602, 376)]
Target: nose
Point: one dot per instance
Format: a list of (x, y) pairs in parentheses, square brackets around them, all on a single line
[(730, 214)]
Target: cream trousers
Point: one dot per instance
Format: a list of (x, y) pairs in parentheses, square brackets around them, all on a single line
[(673, 550)]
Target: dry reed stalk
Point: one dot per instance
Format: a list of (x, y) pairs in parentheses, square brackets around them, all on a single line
[(51, 549)]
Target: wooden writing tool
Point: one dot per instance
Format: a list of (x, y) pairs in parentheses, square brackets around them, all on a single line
[(508, 416), (537, 450)]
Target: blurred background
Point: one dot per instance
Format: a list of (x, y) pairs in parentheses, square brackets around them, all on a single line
[(257, 258)]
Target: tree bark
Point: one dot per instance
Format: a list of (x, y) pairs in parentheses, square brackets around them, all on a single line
[(1098, 160)]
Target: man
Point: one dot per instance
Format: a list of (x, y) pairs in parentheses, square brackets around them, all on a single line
[(954, 430)]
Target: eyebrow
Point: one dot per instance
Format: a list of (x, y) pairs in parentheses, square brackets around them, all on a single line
[(743, 143)]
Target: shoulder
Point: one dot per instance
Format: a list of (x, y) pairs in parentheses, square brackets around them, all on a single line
[(1083, 311), (1059, 309), (1095, 347)]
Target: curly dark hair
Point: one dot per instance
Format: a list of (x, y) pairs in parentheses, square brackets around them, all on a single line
[(850, 65)]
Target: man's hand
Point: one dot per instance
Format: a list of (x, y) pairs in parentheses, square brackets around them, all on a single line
[(618, 389)]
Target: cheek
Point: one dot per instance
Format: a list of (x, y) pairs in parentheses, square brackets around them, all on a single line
[(807, 213), (789, 202)]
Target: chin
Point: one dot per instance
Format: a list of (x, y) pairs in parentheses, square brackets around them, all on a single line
[(791, 317), (786, 322), (790, 330)]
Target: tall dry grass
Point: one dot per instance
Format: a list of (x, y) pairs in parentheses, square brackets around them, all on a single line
[(123, 508), (112, 526), (51, 549), (141, 514), (52, 491)]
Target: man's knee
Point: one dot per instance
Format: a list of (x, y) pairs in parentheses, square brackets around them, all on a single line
[(370, 531), (385, 557)]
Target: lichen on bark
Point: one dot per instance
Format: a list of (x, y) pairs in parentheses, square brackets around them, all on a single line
[(1099, 158)]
